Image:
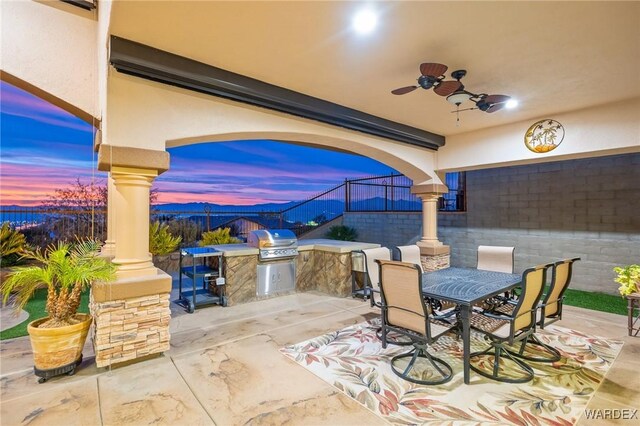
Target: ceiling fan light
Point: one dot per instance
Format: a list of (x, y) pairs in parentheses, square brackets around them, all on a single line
[(458, 97)]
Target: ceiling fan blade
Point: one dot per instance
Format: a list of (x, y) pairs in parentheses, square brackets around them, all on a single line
[(445, 88), (496, 99), (432, 69), (466, 109), (403, 90), (496, 107)]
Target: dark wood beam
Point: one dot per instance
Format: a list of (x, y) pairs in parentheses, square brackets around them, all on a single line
[(144, 61), (86, 5)]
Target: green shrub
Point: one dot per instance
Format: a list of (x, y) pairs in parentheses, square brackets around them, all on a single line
[(187, 229), (161, 241), (12, 245), (218, 236), (342, 232)]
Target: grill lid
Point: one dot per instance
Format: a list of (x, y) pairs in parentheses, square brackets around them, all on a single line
[(274, 244), (272, 238)]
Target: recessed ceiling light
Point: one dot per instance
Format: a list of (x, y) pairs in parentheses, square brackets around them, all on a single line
[(511, 103), (365, 21)]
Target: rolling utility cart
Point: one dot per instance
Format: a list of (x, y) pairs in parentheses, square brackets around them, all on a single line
[(213, 283)]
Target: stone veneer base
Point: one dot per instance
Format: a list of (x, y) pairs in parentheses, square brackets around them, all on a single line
[(435, 262), (128, 329)]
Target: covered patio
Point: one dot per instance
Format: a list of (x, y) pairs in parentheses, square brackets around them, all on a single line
[(150, 76)]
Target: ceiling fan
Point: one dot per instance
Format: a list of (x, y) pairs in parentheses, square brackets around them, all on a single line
[(432, 75)]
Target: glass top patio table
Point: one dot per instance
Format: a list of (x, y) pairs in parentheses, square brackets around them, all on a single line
[(466, 286)]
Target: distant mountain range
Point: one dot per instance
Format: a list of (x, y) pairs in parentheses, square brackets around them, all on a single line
[(200, 207), (311, 210)]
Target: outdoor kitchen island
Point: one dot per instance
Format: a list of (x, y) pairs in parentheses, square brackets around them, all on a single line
[(322, 265)]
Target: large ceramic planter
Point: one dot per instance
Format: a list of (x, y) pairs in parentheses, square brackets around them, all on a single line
[(58, 350)]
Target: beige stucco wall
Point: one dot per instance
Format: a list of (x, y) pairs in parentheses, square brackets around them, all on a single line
[(602, 130), (52, 46), (102, 53), (150, 115)]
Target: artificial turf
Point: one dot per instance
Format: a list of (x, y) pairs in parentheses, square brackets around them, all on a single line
[(35, 308), (596, 301)]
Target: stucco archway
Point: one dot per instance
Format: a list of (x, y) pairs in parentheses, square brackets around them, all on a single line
[(405, 167)]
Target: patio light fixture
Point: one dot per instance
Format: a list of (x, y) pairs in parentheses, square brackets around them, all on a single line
[(511, 104), (365, 21)]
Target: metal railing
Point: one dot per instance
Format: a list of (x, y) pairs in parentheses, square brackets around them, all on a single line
[(43, 225), (381, 193)]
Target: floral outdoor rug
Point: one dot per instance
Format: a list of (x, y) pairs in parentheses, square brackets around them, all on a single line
[(354, 361)]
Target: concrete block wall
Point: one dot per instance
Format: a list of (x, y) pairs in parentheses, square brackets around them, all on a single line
[(386, 228), (587, 208)]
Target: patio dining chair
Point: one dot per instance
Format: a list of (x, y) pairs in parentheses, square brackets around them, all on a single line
[(411, 254), (496, 259), (550, 311), (372, 274), (510, 329), (405, 312), (371, 256)]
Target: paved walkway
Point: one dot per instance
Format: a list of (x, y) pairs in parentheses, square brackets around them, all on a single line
[(9, 319), (224, 368)]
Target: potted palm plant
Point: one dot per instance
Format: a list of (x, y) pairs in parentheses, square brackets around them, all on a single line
[(65, 270)]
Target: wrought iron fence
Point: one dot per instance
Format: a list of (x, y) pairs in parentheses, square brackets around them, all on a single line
[(381, 193), (43, 225)]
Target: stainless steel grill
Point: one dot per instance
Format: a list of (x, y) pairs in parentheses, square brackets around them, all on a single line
[(278, 249), (274, 244)]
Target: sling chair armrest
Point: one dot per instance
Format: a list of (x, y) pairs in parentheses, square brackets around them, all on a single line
[(443, 316), (558, 300), (503, 317)]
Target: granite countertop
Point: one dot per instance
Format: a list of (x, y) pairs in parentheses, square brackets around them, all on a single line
[(334, 246), (303, 245), (241, 249)]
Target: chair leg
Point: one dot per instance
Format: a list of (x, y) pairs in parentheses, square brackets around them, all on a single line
[(496, 361), (413, 360), (553, 355), (420, 351), (384, 337), (500, 352)]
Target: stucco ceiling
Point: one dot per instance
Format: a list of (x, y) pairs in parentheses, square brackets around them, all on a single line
[(552, 56)]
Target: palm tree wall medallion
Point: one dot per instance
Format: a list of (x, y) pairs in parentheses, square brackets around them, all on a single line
[(544, 136)]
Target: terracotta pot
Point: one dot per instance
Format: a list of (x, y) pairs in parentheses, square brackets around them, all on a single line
[(58, 346)]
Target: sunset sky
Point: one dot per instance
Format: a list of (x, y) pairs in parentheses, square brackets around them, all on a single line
[(43, 148)]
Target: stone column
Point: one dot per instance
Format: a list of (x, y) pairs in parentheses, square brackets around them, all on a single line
[(131, 200), (109, 248), (429, 220), (131, 314), (434, 254)]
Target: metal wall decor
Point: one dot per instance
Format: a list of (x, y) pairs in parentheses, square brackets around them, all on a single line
[(544, 136)]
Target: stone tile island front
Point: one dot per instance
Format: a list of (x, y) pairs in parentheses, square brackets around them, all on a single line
[(322, 265)]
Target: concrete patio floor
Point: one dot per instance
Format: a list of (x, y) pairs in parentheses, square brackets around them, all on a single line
[(224, 368)]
